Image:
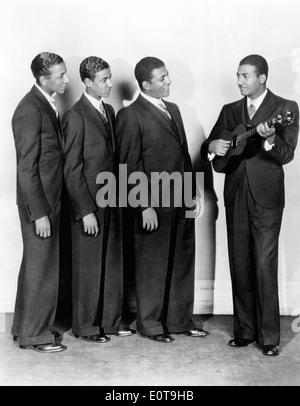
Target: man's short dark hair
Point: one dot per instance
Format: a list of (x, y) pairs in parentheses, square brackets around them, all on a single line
[(43, 62), (91, 66), (144, 69), (262, 67)]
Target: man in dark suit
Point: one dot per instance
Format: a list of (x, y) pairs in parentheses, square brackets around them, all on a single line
[(254, 200), (96, 232), (39, 141), (151, 139)]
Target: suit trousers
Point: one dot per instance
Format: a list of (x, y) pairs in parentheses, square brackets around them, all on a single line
[(253, 238), (98, 276), (38, 283), (165, 274)]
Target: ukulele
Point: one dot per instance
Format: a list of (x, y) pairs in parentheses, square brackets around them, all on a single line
[(240, 136)]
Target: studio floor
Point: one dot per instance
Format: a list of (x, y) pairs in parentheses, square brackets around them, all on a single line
[(137, 361)]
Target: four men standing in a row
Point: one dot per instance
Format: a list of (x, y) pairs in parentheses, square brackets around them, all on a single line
[(149, 137)]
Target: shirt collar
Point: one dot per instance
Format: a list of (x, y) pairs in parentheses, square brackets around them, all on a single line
[(95, 102), (152, 100), (257, 102), (50, 99)]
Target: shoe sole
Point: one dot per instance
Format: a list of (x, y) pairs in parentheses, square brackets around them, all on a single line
[(124, 335), (62, 349), (93, 342), (161, 342), (193, 336), (271, 355)]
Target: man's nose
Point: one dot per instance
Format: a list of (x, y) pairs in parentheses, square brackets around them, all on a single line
[(240, 80)]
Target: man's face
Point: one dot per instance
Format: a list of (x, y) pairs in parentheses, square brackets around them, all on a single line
[(101, 86), (160, 84), (58, 80), (249, 83)]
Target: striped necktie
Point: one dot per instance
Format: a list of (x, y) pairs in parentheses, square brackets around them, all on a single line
[(251, 110), (103, 111), (164, 108)]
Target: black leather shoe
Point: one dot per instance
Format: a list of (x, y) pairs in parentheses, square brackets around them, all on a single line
[(239, 343), (270, 351), (197, 333), (125, 332), (45, 349), (162, 338), (96, 339), (57, 337)]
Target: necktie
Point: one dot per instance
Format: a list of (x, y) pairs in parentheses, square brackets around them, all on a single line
[(251, 110), (53, 104), (164, 108), (103, 111)]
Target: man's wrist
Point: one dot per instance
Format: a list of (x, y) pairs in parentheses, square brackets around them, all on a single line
[(271, 140)]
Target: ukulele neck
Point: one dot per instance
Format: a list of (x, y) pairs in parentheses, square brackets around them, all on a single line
[(243, 137)]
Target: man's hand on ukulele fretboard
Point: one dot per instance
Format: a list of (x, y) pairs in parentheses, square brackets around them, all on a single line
[(266, 132)]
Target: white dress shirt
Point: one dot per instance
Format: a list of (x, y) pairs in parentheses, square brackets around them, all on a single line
[(154, 101), (50, 99), (95, 102), (257, 103)]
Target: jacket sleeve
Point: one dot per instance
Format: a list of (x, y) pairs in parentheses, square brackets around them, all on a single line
[(195, 187), (219, 131), (81, 199), (129, 145), (286, 138), (27, 127)]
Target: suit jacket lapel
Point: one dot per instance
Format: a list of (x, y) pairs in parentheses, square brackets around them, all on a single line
[(45, 105), (178, 121), (239, 112), (163, 118), (111, 127), (265, 111), (94, 117)]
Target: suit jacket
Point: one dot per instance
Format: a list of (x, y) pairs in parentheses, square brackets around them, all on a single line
[(147, 141), (38, 140), (264, 169), (89, 150)]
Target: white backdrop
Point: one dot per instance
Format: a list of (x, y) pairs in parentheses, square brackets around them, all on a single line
[(202, 43)]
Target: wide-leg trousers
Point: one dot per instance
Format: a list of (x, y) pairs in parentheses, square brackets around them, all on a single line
[(165, 274), (253, 239), (98, 276), (38, 283)]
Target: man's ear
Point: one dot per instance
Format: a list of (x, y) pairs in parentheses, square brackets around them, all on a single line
[(146, 85), (42, 80), (88, 82), (262, 78)]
